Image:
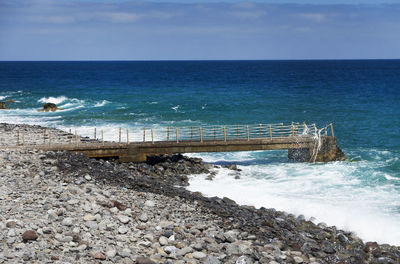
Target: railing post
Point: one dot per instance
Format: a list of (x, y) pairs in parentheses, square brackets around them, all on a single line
[(270, 131), (119, 136), (144, 134), (304, 127), (292, 129), (215, 133), (127, 136), (44, 136), (201, 134), (224, 134), (18, 138), (102, 137), (247, 132), (94, 133), (168, 134), (76, 138), (152, 136), (333, 134), (49, 138), (177, 137), (23, 139)]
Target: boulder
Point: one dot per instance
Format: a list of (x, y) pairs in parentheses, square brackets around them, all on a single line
[(49, 107), (3, 105)]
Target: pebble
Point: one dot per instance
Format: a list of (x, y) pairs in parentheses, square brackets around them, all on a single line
[(123, 219), (163, 241), (199, 255), (67, 221), (29, 235), (123, 230)]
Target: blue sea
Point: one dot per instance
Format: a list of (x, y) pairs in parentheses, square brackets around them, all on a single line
[(360, 97)]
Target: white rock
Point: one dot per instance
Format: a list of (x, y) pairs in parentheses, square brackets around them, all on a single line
[(88, 217), (199, 255), (87, 177), (111, 252), (170, 249), (82, 247), (123, 230), (163, 241), (298, 259), (123, 219), (149, 203), (67, 221), (143, 217)]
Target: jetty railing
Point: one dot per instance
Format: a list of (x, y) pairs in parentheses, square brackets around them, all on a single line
[(172, 134)]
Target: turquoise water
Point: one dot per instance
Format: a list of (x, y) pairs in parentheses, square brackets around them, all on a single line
[(361, 98)]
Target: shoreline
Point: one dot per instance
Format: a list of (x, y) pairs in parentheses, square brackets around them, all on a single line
[(227, 232)]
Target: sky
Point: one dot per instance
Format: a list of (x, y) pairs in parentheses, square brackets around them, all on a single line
[(199, 30)]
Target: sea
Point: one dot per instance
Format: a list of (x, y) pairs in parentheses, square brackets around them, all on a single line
[(361, 98)]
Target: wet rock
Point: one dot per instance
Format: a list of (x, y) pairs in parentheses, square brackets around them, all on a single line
[(49, 107)]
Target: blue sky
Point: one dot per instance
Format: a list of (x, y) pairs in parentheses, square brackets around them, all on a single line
[(184, 30)]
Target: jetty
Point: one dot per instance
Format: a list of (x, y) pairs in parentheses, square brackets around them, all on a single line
[(305, 143)]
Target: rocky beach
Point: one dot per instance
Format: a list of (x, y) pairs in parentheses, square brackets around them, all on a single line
[(62, 207)]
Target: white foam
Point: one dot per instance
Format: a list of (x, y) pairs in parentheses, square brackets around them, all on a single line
[(3, 97), (334, 193), (175, 108), (102, 103), (54, 100)]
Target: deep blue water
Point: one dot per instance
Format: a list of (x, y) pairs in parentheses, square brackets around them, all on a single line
[(360, 97)]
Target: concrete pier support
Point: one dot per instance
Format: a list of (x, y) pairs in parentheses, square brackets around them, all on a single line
[(329, 151)]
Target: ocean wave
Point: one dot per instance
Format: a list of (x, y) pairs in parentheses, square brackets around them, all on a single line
[(3, 97), (333, 193), (175, 108), (54, 100), (102, 103)]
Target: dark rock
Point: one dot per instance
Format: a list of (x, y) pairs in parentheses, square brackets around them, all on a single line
[(3, 105), (371, 246), (49, 107), (119, 205), (29, 235)]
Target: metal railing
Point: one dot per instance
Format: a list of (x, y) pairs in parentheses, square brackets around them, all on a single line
[(174, 134)]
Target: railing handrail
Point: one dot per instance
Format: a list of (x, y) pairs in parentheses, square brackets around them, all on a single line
[(186, 133)]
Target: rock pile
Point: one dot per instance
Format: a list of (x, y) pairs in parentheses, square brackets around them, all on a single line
[(60, 207)]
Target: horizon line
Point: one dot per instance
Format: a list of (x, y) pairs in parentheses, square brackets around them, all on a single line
[(183, 60)]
